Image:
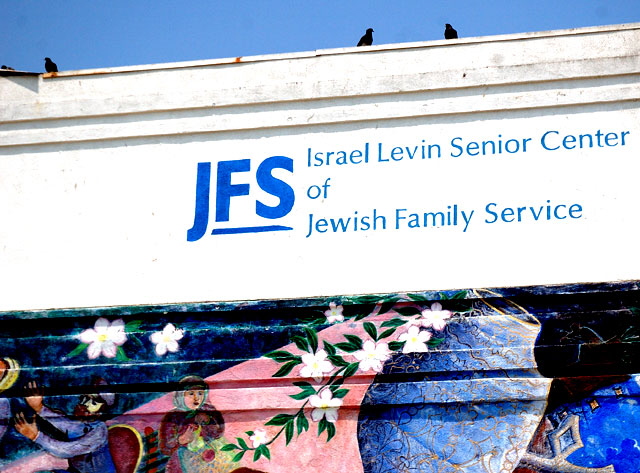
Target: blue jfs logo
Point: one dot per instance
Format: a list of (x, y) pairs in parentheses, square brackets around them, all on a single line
[(225, 191)]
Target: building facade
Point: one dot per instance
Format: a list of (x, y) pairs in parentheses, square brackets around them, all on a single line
[(415, 257)]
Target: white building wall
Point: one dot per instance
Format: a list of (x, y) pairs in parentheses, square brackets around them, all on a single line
[(98, 172)]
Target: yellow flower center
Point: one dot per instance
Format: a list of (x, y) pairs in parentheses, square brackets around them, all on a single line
[(102, 337)]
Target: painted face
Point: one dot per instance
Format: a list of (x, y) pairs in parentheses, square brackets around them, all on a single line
[(193, 398), (87, 407)]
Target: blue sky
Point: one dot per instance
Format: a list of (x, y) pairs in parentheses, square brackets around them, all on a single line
[(86, 34)]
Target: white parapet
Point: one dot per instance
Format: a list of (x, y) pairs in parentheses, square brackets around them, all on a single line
[(478, 162)]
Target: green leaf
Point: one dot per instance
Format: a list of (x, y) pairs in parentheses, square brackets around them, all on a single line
[(350, 370), (387, 306), (304, 385), (288, 432), (408, 311), (457, 296), (322, 425), (354, 340), (335, 381), (249, 433), (302, 423), (230, 446), (135, 340), (386, 333), (329, 348), (77, 350), (364, 299), (396, 346), (300, 342), (132, 325), (331, 430), (417, 297), (434, 342), (340, 393), (286, 368), (302, 395), (395, 322), (348, 347), (242, 443), (257, 454), (371, 330), (280, 419), (281, 356), (337, 360), (361, 316), (239, 456), (312, 336), (121, 355), (264, 450)]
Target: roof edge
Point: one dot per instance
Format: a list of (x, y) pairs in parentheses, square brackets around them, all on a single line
[(337, 51)]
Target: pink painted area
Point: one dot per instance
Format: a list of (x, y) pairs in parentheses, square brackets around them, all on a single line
[(34, 463), (248, 396)]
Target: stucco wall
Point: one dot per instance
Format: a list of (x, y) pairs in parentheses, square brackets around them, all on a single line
[(395, 158), (414, 175)]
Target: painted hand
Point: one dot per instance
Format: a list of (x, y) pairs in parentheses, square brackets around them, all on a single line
[(26, 428), (33, 396), (188, 435)]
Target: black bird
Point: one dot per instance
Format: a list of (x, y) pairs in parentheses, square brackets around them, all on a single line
[(49, 65), (449, 32), (367, 39)]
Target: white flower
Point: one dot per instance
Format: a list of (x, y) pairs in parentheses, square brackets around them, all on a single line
[(325, 406), (167, 340), (334, 313), (258, 438), (415, 340), (435, 317), (104, 338), (315, 365), (372, 355)]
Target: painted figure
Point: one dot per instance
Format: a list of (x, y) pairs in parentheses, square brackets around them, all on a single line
[(9, 370), (81, 438), (191, 434)]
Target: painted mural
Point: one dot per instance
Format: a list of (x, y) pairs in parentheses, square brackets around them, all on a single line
[(524, 380)]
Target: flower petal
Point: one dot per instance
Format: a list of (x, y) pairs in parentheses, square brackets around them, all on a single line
[(94, 350), (317, 414), (109, 349), (161, 349), (88, 336), (331, 415), (101, 325)]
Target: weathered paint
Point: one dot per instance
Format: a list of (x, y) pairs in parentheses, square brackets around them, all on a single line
[(106, 302), (503, 372)]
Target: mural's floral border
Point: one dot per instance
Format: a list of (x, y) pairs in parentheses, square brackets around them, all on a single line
[(417, 324), (329, 365), (107, 339)]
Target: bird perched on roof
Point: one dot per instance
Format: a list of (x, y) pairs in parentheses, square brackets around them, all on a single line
[(449, 32), (49, 65), (367, 38)]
